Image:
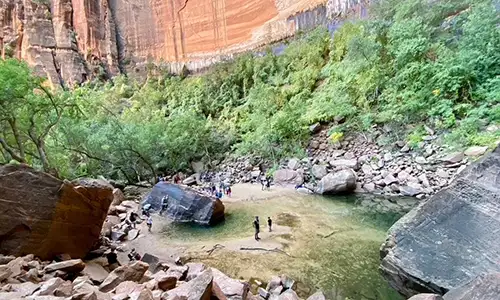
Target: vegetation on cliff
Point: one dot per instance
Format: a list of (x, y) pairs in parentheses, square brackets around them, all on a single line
[(412, 63)]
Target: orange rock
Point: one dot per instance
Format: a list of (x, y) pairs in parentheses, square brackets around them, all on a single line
[(46, 216)]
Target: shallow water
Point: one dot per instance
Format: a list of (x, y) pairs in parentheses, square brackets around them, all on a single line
[(333, 245)]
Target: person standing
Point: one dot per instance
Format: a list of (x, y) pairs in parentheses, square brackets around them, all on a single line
[(256, 226), (149, 222), (112, 259), (164, 204), (228, 191), (270, 224)]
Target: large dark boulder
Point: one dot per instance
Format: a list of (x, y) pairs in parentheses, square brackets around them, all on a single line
[(450, 239), (186, 204), (45, 216)]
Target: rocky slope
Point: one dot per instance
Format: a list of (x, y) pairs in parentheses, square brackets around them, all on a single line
[(70, 41)]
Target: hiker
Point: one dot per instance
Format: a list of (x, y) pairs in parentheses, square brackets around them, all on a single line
[(256, 226), (270, 224), (228, 191), (145, 210), (164, 204), (263, 182), (221, 186), (214, 189), (149, 222), (133, 255), (112, 259), (268, 183), (133, 218)]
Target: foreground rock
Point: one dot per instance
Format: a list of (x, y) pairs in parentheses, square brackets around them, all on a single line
[(484, 287), (340, 182), (47, 216), (450, 239), (186, 204)]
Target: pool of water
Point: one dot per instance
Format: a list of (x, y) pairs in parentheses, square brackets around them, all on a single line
[(332, 244)]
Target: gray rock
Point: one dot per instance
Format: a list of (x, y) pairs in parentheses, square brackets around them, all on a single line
[(255, 173), (315, 128), (423, 179), (339, 182), (263, 293), (95, 272), (387, 157), (389, 179), (231, 288), (337, 153), (49, 286), (450, 239), (133, 272), (403, 176), (411, 189), (199, 288), (344, 163), (317, 296), (367, 170), (405, 149), (293, 164), (287, 282), (186, 204), (70, 266), (132, 234), (369, 187), (349, 155), (194, 269), (314, 145), (304, 190), (484, 287), (420, 160), (288, 295), (25, 289), (442, 173), (319, 171), (273, 283), (475, 151), (288, 177), (5, 259), (191, 180), (453, 158)]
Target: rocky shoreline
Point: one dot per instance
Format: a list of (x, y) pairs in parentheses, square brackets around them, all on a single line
[(394, 169)]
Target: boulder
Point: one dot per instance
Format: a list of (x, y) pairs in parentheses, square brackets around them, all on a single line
[(48, 216), (344, 163), (133, 272), (128, 287), (165, 282), (5, 272), (426, 296), (288, 177), (25, 288), (95, 272), (199, 288), (319, 296), (483, 287), (178, 272), (288, 295), (273, 283), (69, 266), (49, 287), (118, 197), (5, 259), (64, 290), (293, 164), (191, 180), (263, 293), (475, 151), (194, 269), (186, 204), (231, 288), (319, 171), (338, 182), (132, 234), (453, 158), (287, 282), (151, 260), (315, 128), (451, 238)]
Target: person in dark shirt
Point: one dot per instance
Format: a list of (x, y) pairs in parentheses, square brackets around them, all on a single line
[(270, 224), (164, 204), (256, 226), (112, 259), (133, 218)]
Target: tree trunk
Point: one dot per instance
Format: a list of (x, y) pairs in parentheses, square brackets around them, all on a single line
[(40, 146), (17, 136)]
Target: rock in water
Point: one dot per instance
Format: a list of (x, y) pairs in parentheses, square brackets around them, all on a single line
[(450, 239), (43, 215), (338, 182), (186, 204)]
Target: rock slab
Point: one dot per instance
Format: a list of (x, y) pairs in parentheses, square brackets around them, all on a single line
[(45, 216), (450, 239), (339, 182), (185, 204)]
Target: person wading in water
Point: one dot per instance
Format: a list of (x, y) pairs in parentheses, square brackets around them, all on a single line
[(256, 226)]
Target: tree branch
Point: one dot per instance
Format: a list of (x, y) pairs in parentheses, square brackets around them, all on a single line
[(11, 152)]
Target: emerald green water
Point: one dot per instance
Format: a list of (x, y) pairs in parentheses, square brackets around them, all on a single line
[(344, 265)]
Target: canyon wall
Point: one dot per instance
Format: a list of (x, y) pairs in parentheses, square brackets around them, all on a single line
[(70, 41)]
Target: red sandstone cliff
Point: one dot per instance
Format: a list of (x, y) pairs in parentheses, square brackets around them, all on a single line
[(72, 40)]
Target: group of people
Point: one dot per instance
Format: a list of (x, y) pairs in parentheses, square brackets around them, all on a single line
[(256, 226), (222, 190)]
